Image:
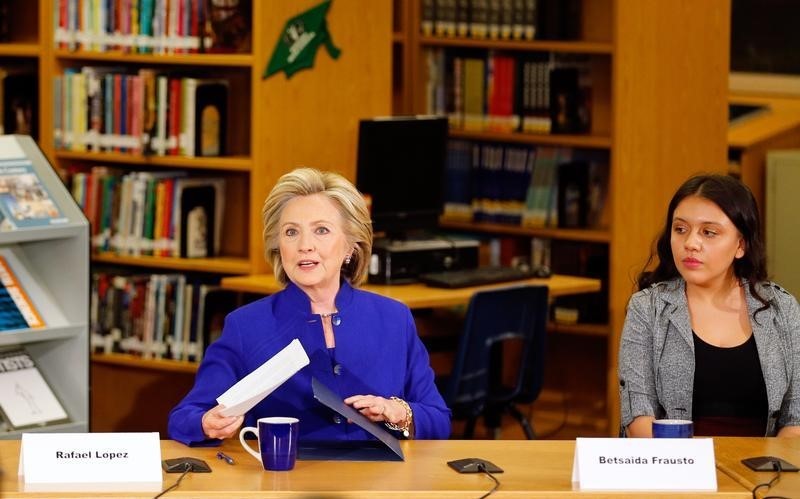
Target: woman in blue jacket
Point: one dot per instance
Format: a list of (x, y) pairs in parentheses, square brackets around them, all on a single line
[(318, 239)]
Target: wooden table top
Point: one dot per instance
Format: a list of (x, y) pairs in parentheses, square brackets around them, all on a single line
[(421, 296), (533, 469), (783, 115), (730, 451)]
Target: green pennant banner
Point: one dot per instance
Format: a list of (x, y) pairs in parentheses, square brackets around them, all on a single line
[(299, 41)]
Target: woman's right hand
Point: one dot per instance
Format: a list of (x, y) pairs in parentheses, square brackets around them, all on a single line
[(216, 425), (641, 427)]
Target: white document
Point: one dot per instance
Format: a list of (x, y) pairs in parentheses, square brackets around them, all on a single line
[(254, 387), (656, 464)]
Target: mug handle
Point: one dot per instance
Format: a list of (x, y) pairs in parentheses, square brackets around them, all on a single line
[(244, 443)]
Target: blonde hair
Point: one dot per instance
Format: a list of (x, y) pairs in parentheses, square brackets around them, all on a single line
[(343, 194)]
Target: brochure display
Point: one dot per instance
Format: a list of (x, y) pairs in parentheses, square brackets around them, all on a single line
[(44, 271)]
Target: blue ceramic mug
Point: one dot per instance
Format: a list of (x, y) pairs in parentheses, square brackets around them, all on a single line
[(277, 442), (673, 428)]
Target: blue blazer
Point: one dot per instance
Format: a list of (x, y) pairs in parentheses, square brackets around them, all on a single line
[(377, 352)]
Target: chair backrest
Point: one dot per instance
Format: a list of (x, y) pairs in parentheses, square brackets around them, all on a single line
[(494, 317)]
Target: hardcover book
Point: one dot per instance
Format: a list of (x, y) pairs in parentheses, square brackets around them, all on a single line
[(197, 222), (199, 207), (211, 117), (573, 194)]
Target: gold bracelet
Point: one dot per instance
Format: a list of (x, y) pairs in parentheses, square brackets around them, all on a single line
[(409, 418)]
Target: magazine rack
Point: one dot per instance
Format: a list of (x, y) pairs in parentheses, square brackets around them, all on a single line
[(44, 238)]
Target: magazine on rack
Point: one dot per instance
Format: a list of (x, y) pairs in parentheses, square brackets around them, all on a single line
[(24, 200)]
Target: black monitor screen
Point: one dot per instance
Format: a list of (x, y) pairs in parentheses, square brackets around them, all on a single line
[(764, 36), (401, 163)]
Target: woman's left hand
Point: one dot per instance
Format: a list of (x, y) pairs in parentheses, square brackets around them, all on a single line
[(377, 409)]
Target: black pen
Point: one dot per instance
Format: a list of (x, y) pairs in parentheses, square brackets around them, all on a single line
[(228, 459)]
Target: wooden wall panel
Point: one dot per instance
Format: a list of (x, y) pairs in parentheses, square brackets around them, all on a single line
[(670, 81), (311, 119)]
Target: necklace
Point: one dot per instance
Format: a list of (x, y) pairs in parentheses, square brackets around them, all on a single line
[(329, 314)]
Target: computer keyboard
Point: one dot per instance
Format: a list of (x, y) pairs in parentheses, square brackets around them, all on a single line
[(478, 276)]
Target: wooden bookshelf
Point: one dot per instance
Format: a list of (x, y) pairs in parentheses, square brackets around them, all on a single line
[(19, 50), (564, 140), (115, 57), (566, 47), (220, 265), (659, 107), (585, 235), (778, 127), (225, 163), (274, 125)]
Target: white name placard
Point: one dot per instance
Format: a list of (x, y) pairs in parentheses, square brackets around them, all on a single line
[(90, 462), (669, 464)]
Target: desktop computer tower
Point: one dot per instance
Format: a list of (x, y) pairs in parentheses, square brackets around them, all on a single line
[(401, 261)]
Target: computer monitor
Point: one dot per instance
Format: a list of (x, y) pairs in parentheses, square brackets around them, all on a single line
[(401, 169), (765, 47)]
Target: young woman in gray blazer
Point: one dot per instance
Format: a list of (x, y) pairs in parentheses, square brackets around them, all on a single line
[(707, 337)]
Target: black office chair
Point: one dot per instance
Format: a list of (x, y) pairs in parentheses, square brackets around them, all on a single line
[(475, 388)]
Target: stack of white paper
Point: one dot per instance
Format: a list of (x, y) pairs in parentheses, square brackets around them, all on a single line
[(254, 387)]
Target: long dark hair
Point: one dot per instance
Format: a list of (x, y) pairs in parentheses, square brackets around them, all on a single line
[(737, 202)]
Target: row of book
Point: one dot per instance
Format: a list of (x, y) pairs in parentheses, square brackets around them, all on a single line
[(17, 310), (534, 92), (157, 316), (153, 26), (158, 213), (530, 186), (147, 112), (502, 19), (496, 19)]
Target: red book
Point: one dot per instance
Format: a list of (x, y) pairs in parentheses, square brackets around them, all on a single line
[(168, 229), (117, 114), (174, 119)]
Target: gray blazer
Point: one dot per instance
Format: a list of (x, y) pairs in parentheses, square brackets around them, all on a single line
[(656, 356)]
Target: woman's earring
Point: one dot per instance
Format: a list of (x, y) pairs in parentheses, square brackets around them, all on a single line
[(347, 259)]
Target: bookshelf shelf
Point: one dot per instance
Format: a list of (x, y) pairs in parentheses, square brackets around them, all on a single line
[(584, 235), (19, 50), (586, 141), (40, 233), (633, 61), (229, 163), (219, 265), (136, 362), (50, 264), (269, 133), (23, 336), (575, 47), (116, 57)]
